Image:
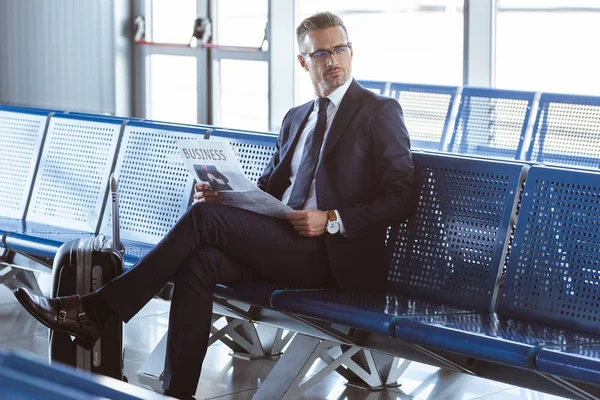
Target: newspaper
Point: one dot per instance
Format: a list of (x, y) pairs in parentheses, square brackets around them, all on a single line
[(213, 162)]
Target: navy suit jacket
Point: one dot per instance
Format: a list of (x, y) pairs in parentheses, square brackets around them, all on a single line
[(366, 173)]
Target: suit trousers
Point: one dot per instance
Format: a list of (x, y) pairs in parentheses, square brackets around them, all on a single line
[(213, 243)]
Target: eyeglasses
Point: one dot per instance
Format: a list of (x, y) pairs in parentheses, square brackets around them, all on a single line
[(320, 57)]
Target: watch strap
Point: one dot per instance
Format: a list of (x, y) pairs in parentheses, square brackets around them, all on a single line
[(331, 215)]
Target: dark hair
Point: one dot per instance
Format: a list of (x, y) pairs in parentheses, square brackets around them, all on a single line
[(318, 22)]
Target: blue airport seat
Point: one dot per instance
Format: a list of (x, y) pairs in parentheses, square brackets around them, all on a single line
[(567, 131), (547, 296), (371, 312), (149, 159), (456, 240), (24, 377), (377, 87), (580, 363), (71, 180), (153, 182), (22, 133), (492, 123), (427, 112), (491, 337)]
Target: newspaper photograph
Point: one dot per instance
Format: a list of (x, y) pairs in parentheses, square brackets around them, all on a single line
[(214, 163)]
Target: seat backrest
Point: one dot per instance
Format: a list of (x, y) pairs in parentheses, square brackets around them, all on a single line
[(454, 246), (492, 122), (427, 112), (567, 131), (253, 150), (22, 134), (375, 87), (72, 178), (553, 272), (154, 183)]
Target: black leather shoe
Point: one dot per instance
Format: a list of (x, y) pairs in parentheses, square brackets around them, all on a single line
[(63, 314)]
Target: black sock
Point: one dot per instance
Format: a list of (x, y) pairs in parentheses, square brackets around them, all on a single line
[(95, 308)]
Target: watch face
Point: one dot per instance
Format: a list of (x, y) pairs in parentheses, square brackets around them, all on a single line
[(333, 227)]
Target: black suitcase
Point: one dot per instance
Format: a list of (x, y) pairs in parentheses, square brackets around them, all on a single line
[(80, 267)]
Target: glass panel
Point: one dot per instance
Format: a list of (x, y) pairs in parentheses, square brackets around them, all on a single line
[(173, 88), (241, 22), (396, 41), (244, 95), (549, 46), (173, 21)]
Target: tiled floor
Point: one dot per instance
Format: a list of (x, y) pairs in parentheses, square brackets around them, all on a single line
[(225, 378)]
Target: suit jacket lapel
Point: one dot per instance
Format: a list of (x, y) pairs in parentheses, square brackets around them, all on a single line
[(296, 128), (279, 180), (348, 107)]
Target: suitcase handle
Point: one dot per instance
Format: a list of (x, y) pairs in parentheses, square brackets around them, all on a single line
[(114, 196)]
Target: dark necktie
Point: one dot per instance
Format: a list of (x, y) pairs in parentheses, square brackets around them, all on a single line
[(310, 158)]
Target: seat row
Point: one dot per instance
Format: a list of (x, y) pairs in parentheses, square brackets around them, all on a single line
[(548, 128), (496, 274)]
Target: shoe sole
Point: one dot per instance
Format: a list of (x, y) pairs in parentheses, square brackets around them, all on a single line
[(78, 339)]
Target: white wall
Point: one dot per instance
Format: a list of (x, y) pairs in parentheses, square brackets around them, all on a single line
[(70, 55)]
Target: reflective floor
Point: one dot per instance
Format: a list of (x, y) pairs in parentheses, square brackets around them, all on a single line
[(226, 378)]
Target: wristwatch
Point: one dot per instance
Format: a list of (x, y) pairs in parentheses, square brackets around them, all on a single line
[(333, 226)]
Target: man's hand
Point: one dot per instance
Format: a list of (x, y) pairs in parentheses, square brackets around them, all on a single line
[(309, 223), (204, 193)]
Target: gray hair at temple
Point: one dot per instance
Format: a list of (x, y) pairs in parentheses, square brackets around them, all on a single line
[(318, 22)]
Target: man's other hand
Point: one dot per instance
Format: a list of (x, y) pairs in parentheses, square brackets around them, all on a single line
[(204, 193), (309, 223)]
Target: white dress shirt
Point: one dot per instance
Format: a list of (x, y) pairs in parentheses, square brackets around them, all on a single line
[(335, 98)]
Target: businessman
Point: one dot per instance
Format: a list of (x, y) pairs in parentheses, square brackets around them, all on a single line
[(343, 161)]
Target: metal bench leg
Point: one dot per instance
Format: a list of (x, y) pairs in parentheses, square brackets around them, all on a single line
[(14, 278), (240, 336), (395, 371), (360, 370), (287, 379), (154, 366), (273, 339)]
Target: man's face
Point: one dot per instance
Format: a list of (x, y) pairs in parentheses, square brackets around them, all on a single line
[(333, 74)]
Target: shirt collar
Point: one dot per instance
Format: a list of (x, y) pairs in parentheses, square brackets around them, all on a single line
[(337, 95)]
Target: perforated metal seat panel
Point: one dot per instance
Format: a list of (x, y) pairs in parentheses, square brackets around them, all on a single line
[(253, 150), (369, 311), (427, 111), (154, 183), (453, 247), (581, 363), (567, 131), (490, 337), (73, 174), (553, 272), (21, 135), (491, 122)]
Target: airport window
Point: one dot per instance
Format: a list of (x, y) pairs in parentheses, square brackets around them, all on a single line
[(549, 46), (173, 88), (244, 94), (241, 22), (172, 22)]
